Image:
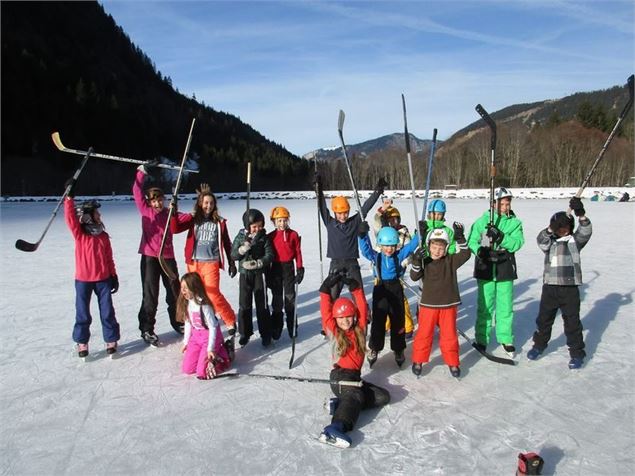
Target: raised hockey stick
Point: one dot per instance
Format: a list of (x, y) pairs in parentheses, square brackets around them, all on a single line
[(58, 143), (164, 265), (407, 138), (340, 130), (492, 171), (248, 183), (433, 147), (627, 106), (319, 225), (29, 247), (295, 325)]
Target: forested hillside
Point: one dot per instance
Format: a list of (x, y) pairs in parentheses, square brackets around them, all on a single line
[(66, 66)]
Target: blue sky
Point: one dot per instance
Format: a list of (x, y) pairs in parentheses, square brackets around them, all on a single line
[(288, 67)]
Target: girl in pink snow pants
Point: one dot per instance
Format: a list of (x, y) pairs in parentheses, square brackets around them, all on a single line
[(203, 340)]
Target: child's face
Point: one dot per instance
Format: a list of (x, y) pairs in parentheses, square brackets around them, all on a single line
[(157, 203), (394, 221), (436, 216), (207, 205), (185, 291), (563, 231), (256, 227), (282, 223), (504, 205), (388, 250), (341, 216), (345, 323), (437, 249), (96, 216)]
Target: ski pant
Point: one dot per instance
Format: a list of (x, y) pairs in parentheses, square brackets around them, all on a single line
[(195, 358), (352, 400), (281, 281), (151, 273), (499, 295), (209, 271), (252, 287), (83, 319), (407, 315), (388, 298), (567, 299), (445, 319)]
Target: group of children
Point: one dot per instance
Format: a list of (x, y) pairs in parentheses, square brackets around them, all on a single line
[(274, 261)]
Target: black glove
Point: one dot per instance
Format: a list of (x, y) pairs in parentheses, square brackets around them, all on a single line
[(483, 253), (494, 234), (299, 275), (114, 284), (232, 269), (381, 185), (423, 231), (70, 184), (459, 231), (418, 256), (151, 164), (330, 281), (575, 204), (363, 229)]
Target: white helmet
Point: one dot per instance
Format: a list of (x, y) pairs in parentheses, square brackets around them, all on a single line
[(502, 192), (438, 234)]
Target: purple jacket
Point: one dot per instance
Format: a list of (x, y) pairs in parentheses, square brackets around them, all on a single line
[(152, 223)]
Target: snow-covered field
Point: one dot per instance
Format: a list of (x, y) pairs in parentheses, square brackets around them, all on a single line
[(138, 414)]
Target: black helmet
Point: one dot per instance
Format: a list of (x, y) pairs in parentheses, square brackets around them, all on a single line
[(252, 216), (561, 220), (89, 206)]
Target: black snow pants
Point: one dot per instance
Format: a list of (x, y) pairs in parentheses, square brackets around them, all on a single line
[(151, 273), (252, 288), (351, 266), (281, 281), (388, 300)]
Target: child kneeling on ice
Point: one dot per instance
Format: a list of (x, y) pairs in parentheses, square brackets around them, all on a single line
[(203, 346), (561, 278), (347, 327), (439, 297)]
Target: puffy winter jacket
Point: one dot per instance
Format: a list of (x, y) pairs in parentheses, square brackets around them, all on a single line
[(153, 223)]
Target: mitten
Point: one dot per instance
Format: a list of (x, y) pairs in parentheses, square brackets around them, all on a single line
[(245, 247), (299, 275), (575, 204), (114, 284), (494, 234), (252, 264)]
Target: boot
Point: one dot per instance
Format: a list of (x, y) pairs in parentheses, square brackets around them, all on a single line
[(82, 350), (335, 435), (372, 357)]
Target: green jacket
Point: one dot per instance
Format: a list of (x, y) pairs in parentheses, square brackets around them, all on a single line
[(260, 250), (501, 264)]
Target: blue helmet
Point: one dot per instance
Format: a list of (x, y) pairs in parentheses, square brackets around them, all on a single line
[(388, 236), (437, 206)]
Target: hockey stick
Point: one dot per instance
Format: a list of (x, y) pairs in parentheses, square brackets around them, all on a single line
[(295, 326), (492, 171), (407, 138), (319, 220), (340, 127), (248, 183), (344, 383), (29, 247), (487, 355), (433, 147), (585, 182), (58, 143), (162, 262)]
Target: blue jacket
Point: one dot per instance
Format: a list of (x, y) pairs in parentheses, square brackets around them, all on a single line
[(390, 267)]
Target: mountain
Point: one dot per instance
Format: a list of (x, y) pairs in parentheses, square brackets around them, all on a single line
[(373, 146), (68, 67)]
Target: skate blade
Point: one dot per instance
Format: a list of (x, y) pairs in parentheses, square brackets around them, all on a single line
[(334, 441)]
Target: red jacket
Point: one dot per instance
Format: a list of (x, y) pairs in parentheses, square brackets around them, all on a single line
[(353, 359), (93, 254), (286, 246), (185, 221)]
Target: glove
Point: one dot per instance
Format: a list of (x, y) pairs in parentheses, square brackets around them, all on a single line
[(484, 253), (363, 229), (147, 165), (575, 204), (418, 257), (381, 185), (459, 231), (423, 230), (330, 281), (299, 275), (494, 234), (70, 185), (245, 247), (252, 264), (114, 284), (232, 269)]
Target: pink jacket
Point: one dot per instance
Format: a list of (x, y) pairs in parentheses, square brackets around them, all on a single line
[(152, 223), (93, 254)]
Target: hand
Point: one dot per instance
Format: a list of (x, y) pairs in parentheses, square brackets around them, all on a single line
[(232, 269), (174, 204), (70, 185), (363, 229), (494, 234), (459, 231), (423, 230), (381, 185), (114, 284), (245, 247), (330, 281), (575, 204), (184, 349), (252, 264), (387, 203), (299, 275), (419, 255), (484, 253), (211, 356)]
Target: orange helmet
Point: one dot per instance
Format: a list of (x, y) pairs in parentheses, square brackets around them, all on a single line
[(344, 307), (340, 204), (279, 212)]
